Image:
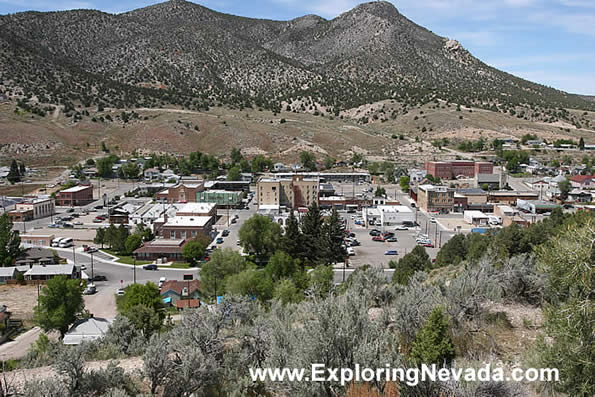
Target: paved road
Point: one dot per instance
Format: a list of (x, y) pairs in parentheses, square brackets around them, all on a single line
[(19, 347)]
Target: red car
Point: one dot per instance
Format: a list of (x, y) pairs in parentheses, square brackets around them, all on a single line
[(429, 245), (378, 238)]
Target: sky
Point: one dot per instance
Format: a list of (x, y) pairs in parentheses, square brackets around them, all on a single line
[(551, 42)]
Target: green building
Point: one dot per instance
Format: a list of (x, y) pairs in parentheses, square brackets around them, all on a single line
[(222, 198)]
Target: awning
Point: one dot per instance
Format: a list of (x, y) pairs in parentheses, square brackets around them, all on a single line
[(167, 300)]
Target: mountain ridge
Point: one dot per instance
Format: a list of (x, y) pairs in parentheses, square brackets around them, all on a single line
[(187, 55)]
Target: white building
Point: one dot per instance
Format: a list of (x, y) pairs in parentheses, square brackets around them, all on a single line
[(85, 330), (476, 218), (386, 215)]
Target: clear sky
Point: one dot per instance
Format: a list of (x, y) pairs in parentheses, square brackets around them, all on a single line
[(547, 41)]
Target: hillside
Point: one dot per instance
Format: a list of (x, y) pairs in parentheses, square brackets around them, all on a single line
[(184, 54)]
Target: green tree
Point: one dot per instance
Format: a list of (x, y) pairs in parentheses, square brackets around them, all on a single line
[(380, 192), (416, 260), (321, 280), (331, 241), (222, 264), (311, 232), (565, 187), (287, 292), (329, 162), (260, 235), (404, 183), (193, 251), (281, 265), (308, 161), (133, 242), (143, 306), (453, 252), (234, 174), (291, 242), (13, 174), (581, 143), (250, 282), (59, 304), (568, 261), (10, 241), (129, 171), (245, 166), (236, 155), (433, 343), (100, 236), (104, 167)]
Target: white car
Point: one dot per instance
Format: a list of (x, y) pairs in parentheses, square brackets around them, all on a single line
[(401, 227), (350, 251), (432, 220), (161, 281)]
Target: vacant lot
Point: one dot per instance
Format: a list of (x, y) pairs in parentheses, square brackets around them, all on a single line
[(18, 190), (20, 300)]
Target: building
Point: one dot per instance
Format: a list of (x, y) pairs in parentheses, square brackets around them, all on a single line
[(180, 193), (220, 198), (32, 209), (86, 330), (505, 211), (510, 197), (580, 196), (42, 240), (387, 215), (37, 256), (232, 186), (197, 209), (8, 273), (583, 181), (184, 227), (75, 196), (456, 168), (343, 203), (536, 206), (329, 176), (169, 250), (43, 272), (490, 181), (417, 175), (292, 192), (476, 218), (173, 291), (432, 198), (151, 174)]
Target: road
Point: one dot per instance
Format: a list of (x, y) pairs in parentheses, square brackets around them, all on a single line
[(19, 347)]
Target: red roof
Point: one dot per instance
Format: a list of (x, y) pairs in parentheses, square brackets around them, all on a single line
[(178, 286), (192, 303), (582, 178)]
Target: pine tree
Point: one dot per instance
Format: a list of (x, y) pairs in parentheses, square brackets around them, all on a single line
[(292, 239), (311, 232), (331, 242), (10, 241), (581, 144), (14, 175), (22, 169), (99, 236), (433, 343)]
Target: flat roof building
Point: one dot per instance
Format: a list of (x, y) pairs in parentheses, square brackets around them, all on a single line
[(75, 196)]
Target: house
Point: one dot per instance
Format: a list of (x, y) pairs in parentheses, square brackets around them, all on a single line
[(85, 330), (583, 181), (8, 273), (43, 240), (536, 206), (183, 227), (476, 218), (151, 174), (416, 175), (46, 272), (36, 256), (170, 250), (580, 196), (180, 291)]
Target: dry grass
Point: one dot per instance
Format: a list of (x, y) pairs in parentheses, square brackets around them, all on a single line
[(20, 300)]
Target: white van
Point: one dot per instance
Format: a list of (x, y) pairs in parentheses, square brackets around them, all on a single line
[(56, 241), (66, 242)]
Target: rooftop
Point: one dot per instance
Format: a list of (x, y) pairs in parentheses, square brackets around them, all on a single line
[(50, 270), (199, 208), (76, 189), (87, 329), (197, 221)]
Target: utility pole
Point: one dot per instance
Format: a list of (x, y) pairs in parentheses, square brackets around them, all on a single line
[(92, 275), (73, 255), (134, 267)]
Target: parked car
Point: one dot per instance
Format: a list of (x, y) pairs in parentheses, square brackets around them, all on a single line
[(219, 240), (429, 245), (391, 240), (350, 251), (354, 243), (98, 278), (391, 252), (98, 207), (375, 232), (401, 227), (225, 233), (90, 290), (432, 220), (238, 242), (89, 249), (77, 223), (378, 238), (161, 281), (97, 220), (150, 267), (388, 234), (70, 210), (53, 226), (121, 292)]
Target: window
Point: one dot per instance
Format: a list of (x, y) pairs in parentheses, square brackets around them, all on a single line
[(172, 234), (183, 234)]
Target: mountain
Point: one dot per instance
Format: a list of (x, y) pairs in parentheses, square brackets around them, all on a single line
[(184, 54)]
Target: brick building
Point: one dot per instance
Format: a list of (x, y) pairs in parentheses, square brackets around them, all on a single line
[(455, 168), (435, 198), (181, 193), (292, 192), (75, 196), (184, 227)]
